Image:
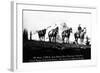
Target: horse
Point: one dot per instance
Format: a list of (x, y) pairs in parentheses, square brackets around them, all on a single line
[(66, 34), (80, 35), (77, 36), (41, 33), (53, 34)]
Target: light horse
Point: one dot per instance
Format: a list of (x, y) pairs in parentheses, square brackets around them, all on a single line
[(53, 34), (66, 34)]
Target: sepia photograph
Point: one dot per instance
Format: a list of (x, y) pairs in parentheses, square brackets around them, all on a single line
[(50, 35)]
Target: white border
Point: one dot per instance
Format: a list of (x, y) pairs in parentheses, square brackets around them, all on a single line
[(17, 64)]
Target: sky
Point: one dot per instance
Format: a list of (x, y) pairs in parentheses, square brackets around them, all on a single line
[(37, 20)]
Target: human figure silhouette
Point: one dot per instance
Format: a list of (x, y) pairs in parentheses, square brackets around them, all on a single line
[(66, 34), (31, 35), (53, 34), (79, 29), (25, 35)]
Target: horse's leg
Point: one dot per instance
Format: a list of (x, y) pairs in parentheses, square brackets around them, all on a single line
[(49, 39), (52, 39), (76, 40), (66, 40), (63, 39), (40, 38), (82, 41), (44, 38), (55, 39)]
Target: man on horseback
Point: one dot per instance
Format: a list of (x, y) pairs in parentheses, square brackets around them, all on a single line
[(53, 34), (80, 34), (79, 29), (66, 34), (77, 34)]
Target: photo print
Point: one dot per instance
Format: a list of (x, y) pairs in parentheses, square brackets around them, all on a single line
[(56, 35)]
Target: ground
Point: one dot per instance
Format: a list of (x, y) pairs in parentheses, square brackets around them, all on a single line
[(36, 51)]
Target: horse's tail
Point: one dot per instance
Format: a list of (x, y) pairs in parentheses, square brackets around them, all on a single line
[(75, 35), (49, 33), (44, 32)]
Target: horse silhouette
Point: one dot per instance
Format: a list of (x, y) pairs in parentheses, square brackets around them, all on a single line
[(76, 36), (53, 34), (66, 34), (80, 35), (41, 33)]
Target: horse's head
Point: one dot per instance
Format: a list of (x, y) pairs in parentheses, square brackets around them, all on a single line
[(70, 29), (84, 30), (57, 29)]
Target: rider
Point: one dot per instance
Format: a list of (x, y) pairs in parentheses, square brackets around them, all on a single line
[(79, 29)]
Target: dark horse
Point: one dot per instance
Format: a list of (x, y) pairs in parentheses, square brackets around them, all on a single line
[(80, 35), (41, 33), (53, 34), (77, 36), (66, 34)]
